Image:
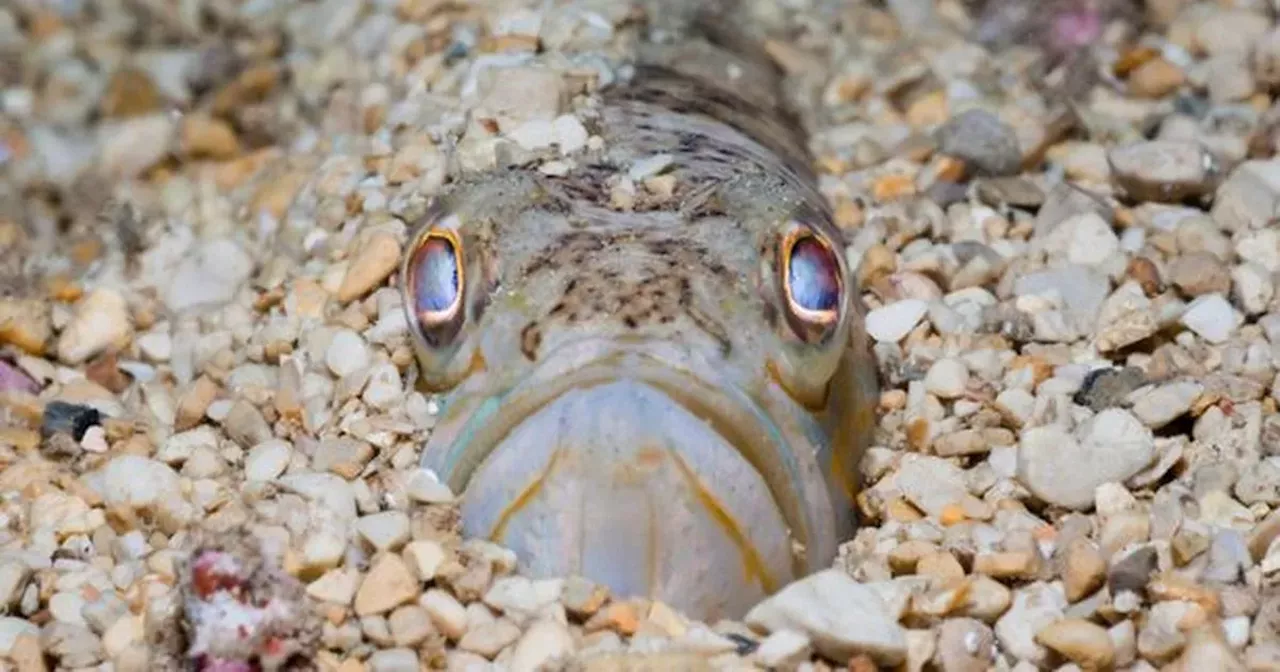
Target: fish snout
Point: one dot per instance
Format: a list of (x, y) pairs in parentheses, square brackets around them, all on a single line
[(624, 485)]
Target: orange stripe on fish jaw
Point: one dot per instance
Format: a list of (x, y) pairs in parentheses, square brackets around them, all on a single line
[(522, 500), (752, 565), (809, 404)]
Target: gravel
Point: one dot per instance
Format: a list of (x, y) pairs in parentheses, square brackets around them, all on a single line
[(1069, 265)]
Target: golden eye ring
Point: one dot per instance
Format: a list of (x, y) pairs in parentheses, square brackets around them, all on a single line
[(812, 280), (435, 284)]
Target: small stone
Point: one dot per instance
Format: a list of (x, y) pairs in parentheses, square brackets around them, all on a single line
[(1199, 273), (374, 261), (343, 456), (448, 615), (393, 660), (71, 419), (488, 639), (385, 531), (1063, 470), (545, 642), (1083, 643), (583, 598), (1158, 406), (426, 556), (267, 460), (336, 585), (1252, 288), (143, 485), (101, 321), (347, 353), (783, 649), (13, 579), (842, 616), (930, 483), (891, 323), (1034, 607), (210, 275), (1084, 571), (570, 134), (389, 584), (410, 625), (67, 608), (1156, 78), (26, 323), (965, 645), (129, 93), (245, 425), (155, 346), (1212, 318), (983, 141), (383, 390), (208, 137), (947, 378), (517, 95), (194, 402), (1166, 171)]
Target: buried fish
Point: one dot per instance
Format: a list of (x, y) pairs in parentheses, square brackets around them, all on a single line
[(667, 394)]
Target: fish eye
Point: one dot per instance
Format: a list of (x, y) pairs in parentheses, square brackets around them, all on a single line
[(812, 283), (435, 284)]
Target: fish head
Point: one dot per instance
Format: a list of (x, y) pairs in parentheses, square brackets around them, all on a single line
[(670, 401)]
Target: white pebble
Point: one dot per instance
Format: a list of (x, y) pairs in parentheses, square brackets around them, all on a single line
[(347, 353), (889, 324), (947, 378), (570, 134), (1212, 318), (267, 460)]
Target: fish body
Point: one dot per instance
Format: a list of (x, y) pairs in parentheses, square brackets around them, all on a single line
[(654, 367)]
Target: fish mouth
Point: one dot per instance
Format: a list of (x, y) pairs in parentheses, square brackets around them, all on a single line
[(640, 467)]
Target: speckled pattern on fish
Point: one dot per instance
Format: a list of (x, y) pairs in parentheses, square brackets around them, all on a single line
[(654, 365)]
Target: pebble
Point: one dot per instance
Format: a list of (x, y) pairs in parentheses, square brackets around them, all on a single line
[(783, 649), (210, 275), (71, 419), (1158, 406), (385, 531), (841, 616), (336, 585), (409, 625), (394, 660), (1083, 643), (543, 643), (373, 262), (426, 557), (488, 639), (947, 378), (965, 645), (1162, 170), (981, 140), (448, 615), (389, 584), (101, 320), (347, 353), (1035, 607), (1212, 318), (891, 323), (267, 460), (1065, 470)]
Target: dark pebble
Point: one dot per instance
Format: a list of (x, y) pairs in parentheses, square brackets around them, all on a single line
[(73, 419)]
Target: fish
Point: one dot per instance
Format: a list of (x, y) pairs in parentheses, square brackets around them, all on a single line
[(667, 394)]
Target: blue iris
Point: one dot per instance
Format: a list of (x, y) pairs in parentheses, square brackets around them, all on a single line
[(436, 286), (813, 276)]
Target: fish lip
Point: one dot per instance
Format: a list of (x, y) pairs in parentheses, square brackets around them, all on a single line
[(678, 373)]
